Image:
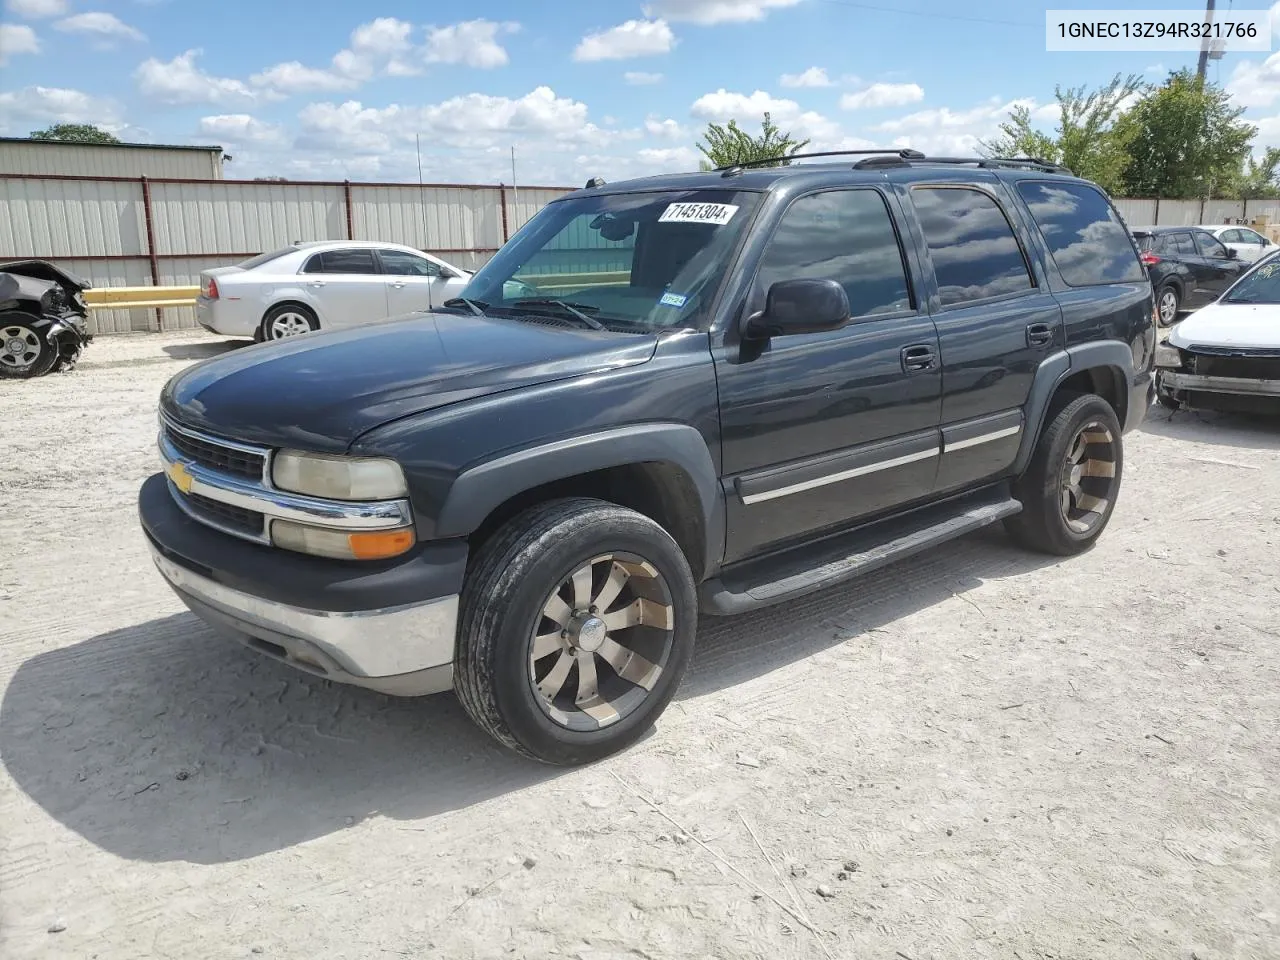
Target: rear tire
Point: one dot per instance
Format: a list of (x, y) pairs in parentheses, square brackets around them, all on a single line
[(24, 352), (1168, 303), (1069, 491), (288, 320), (533, 618)]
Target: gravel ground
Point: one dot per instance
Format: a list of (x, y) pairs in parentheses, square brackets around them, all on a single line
[(976, 753)]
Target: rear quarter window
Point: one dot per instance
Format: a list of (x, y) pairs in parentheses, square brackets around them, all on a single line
[(1086, 238)]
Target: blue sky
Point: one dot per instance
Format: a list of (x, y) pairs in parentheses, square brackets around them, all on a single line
[(334, 89)]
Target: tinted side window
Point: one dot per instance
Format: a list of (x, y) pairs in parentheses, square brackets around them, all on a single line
[(342, 261), (1231, 236), (401, 264), (1180, 244), (975, 253), (841, 235), (1209, 246), (1087, 240)]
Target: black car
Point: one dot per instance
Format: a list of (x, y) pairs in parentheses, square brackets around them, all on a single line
[(699, 392), (1189, 267)]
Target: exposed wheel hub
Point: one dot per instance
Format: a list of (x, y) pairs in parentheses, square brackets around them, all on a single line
[(587, 633), (15, 347)]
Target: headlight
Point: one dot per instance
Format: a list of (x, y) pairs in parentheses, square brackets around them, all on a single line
[(338, 478), (1168, 356), (341, 544)]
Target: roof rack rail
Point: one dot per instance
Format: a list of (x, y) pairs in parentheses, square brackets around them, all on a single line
[(903, 157), (902, 153)]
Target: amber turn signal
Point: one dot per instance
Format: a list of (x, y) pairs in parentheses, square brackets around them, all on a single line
[(375, 546)]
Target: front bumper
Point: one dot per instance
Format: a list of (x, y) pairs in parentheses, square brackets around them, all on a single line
[(1239, 386), (388, 626)]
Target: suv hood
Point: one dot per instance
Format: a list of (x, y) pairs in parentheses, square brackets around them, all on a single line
[(1240, 325), (322, 390)]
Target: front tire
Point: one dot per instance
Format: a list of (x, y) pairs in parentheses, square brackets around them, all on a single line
[(577, 623), (24, 352), (1069, 491), (288, 320)]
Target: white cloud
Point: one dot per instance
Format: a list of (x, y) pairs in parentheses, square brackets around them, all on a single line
[(471, 121), (638, 78), (16, 39), (883, 95), (105, 27), (947, 131), (813, 77), (293, 77), (55, 105), (706, 12), (1254, 83), (635, 38), (35, 9), (382, 44), (1156, 68), (241, 128), (749, 110), (473, 43), (180, 81), (667, 129)]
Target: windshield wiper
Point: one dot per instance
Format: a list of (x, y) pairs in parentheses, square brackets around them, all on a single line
[(477, 307), (575, 310)]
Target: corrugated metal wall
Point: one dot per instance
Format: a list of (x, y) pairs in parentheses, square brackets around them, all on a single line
[(1186, 213), (99, 229), (101, 160)]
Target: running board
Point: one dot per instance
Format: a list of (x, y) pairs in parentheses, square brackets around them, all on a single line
[(814, 567)]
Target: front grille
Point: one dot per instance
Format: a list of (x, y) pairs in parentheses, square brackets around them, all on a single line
[(224, 514), (215, 456), (1246, 368)]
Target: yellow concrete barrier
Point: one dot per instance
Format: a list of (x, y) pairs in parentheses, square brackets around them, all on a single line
[(129, 298)]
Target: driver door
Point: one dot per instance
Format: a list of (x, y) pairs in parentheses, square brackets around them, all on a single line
[(413, 282), (820, 429)]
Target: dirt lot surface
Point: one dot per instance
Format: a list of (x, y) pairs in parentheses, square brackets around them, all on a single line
[(977, 753)]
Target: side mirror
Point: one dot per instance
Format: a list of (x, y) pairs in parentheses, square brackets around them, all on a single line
[(800, 306), (1232, 253)]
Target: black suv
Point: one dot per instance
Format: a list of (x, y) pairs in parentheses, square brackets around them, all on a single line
[(700, 392), (1188, 267)]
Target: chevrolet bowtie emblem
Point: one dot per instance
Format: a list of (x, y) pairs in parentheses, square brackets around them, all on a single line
[(180, 477)]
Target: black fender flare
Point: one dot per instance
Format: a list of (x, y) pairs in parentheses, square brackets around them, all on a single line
[(1113, 355), (479, 489)]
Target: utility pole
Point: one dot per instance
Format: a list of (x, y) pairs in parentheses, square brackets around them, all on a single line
[(1205, 43)]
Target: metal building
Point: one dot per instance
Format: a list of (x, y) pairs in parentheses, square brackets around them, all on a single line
[(68, 159)]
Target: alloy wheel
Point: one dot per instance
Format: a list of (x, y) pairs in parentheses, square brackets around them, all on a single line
[(1088, 477), (601, 641), (289, 324), (19, 346), (1168, 307)]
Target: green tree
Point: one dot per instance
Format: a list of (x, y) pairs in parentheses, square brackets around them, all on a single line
[(727, 145), (1260, 180), (1185, 140), (75, 132), (1089, 138)]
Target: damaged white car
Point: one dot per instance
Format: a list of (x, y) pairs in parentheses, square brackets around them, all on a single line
[(1226, 356)]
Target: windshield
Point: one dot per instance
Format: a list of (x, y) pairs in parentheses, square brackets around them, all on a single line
[(638, 261), (1260, 285)]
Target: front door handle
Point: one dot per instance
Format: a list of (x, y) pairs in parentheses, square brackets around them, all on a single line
[(1038, 334), (398, 284), (920, 356), (317, 283)]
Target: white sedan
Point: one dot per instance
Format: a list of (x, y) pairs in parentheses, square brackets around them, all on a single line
[(322, 285), (1248, 243), (1226, 356)]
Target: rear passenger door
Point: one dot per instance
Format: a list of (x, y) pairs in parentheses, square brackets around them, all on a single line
[(1218, 268), (996, 323), (345, 286)]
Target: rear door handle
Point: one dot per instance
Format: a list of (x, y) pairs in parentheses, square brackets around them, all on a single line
[(919, 356), (317, 283), (1038, 334)]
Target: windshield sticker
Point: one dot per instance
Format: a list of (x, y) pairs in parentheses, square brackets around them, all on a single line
[(717, 213), (673, 300)]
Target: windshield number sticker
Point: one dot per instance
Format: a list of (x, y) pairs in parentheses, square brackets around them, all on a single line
[(717, 213), (673, 300)]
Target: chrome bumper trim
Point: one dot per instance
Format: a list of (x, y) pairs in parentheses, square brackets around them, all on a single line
[(365, 646), (275, 504), (1237, 385)]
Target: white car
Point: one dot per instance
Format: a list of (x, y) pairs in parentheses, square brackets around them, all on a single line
[(322, 285), (1226, 356), (1248, 243)]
